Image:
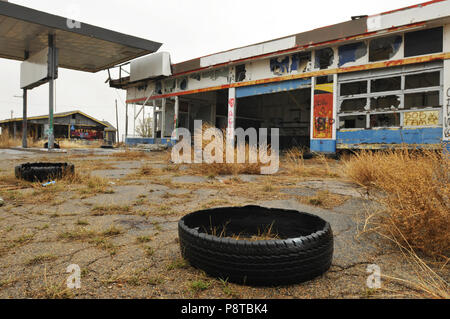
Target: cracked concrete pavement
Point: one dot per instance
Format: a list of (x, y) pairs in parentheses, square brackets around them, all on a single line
[(125, 239)]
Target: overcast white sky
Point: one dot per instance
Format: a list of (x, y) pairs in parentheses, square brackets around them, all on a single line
[(187, 28)]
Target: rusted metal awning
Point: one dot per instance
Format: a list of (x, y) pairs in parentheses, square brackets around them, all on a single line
[(81, 46)]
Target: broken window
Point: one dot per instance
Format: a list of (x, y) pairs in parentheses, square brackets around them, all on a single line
[(280, 65), (300, 61), (351, 52), (324, 58), (352, 121), (422, 99), (240, 73), (422, 80), (195, 76), (424, 42), (158, 87), (385, 120), (385, 102), (208, 74), (353, 88), (386, 84), (222, 72), (183, 83), (354, 105), (384, 48)]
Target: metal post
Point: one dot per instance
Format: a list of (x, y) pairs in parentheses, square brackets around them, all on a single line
[(163, 119), (24, 122), (51, 45), (154, 123), (176, 116)]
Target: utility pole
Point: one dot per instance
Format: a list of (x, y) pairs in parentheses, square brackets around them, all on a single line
[(117, 124)]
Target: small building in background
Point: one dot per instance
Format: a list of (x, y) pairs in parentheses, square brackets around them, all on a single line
[(74, 125)]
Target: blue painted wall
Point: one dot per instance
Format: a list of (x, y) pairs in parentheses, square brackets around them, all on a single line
[(272, 87), (149, 140), (323, 146), (391, 136)]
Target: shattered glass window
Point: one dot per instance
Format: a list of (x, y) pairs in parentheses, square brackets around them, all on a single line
[(384, 48), (324, 58), (351, 52), (385, 102), (385, 120)]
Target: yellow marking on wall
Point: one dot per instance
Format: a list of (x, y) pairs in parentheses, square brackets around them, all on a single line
[(421, 118)]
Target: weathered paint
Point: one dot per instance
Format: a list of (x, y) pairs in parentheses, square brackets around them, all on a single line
[(421, 118), (139, 140), (351, 52), (192, 66), (248, 51), (323, 111), (423, 12), (370, 66), (355, 138), (272, 87), (232, 104), (323, 146)]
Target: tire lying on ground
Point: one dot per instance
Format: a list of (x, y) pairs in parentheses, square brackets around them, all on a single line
[(55, 145), (42, 172), (301, 250)]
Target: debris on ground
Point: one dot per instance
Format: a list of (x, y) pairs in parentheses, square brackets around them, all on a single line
[(153, 147)]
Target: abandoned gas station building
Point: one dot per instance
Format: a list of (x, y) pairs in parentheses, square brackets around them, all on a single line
[(371, 82), (74, 125)]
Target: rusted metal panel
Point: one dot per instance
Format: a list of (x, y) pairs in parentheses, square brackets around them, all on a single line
[(333, 32), (186, 66)]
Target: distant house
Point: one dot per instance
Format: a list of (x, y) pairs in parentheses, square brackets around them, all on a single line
[(67, 125)]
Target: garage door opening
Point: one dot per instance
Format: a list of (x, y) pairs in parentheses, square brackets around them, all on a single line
[(289, 111)]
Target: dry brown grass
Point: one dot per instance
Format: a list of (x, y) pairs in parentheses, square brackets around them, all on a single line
[(414, 188), (71, 144), (214, 169), (324, 199), (7, 141), (294, 164), (131, 155)]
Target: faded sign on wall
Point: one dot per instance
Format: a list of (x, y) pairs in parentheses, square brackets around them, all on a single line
[(323, 111), (421, 118)]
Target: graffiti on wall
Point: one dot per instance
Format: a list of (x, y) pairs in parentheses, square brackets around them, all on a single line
[(447, 117), (323, 111), (422, 118)]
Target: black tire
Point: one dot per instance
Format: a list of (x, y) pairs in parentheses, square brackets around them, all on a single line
[(42, 172), (304, 252)]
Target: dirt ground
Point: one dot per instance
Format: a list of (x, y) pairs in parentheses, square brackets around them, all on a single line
[(123, 232)]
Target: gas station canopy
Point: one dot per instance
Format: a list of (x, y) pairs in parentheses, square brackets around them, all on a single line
[(81, 46)]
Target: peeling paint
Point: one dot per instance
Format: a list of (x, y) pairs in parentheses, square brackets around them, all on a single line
[(281, 65), (351, 52), (371, 66)]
